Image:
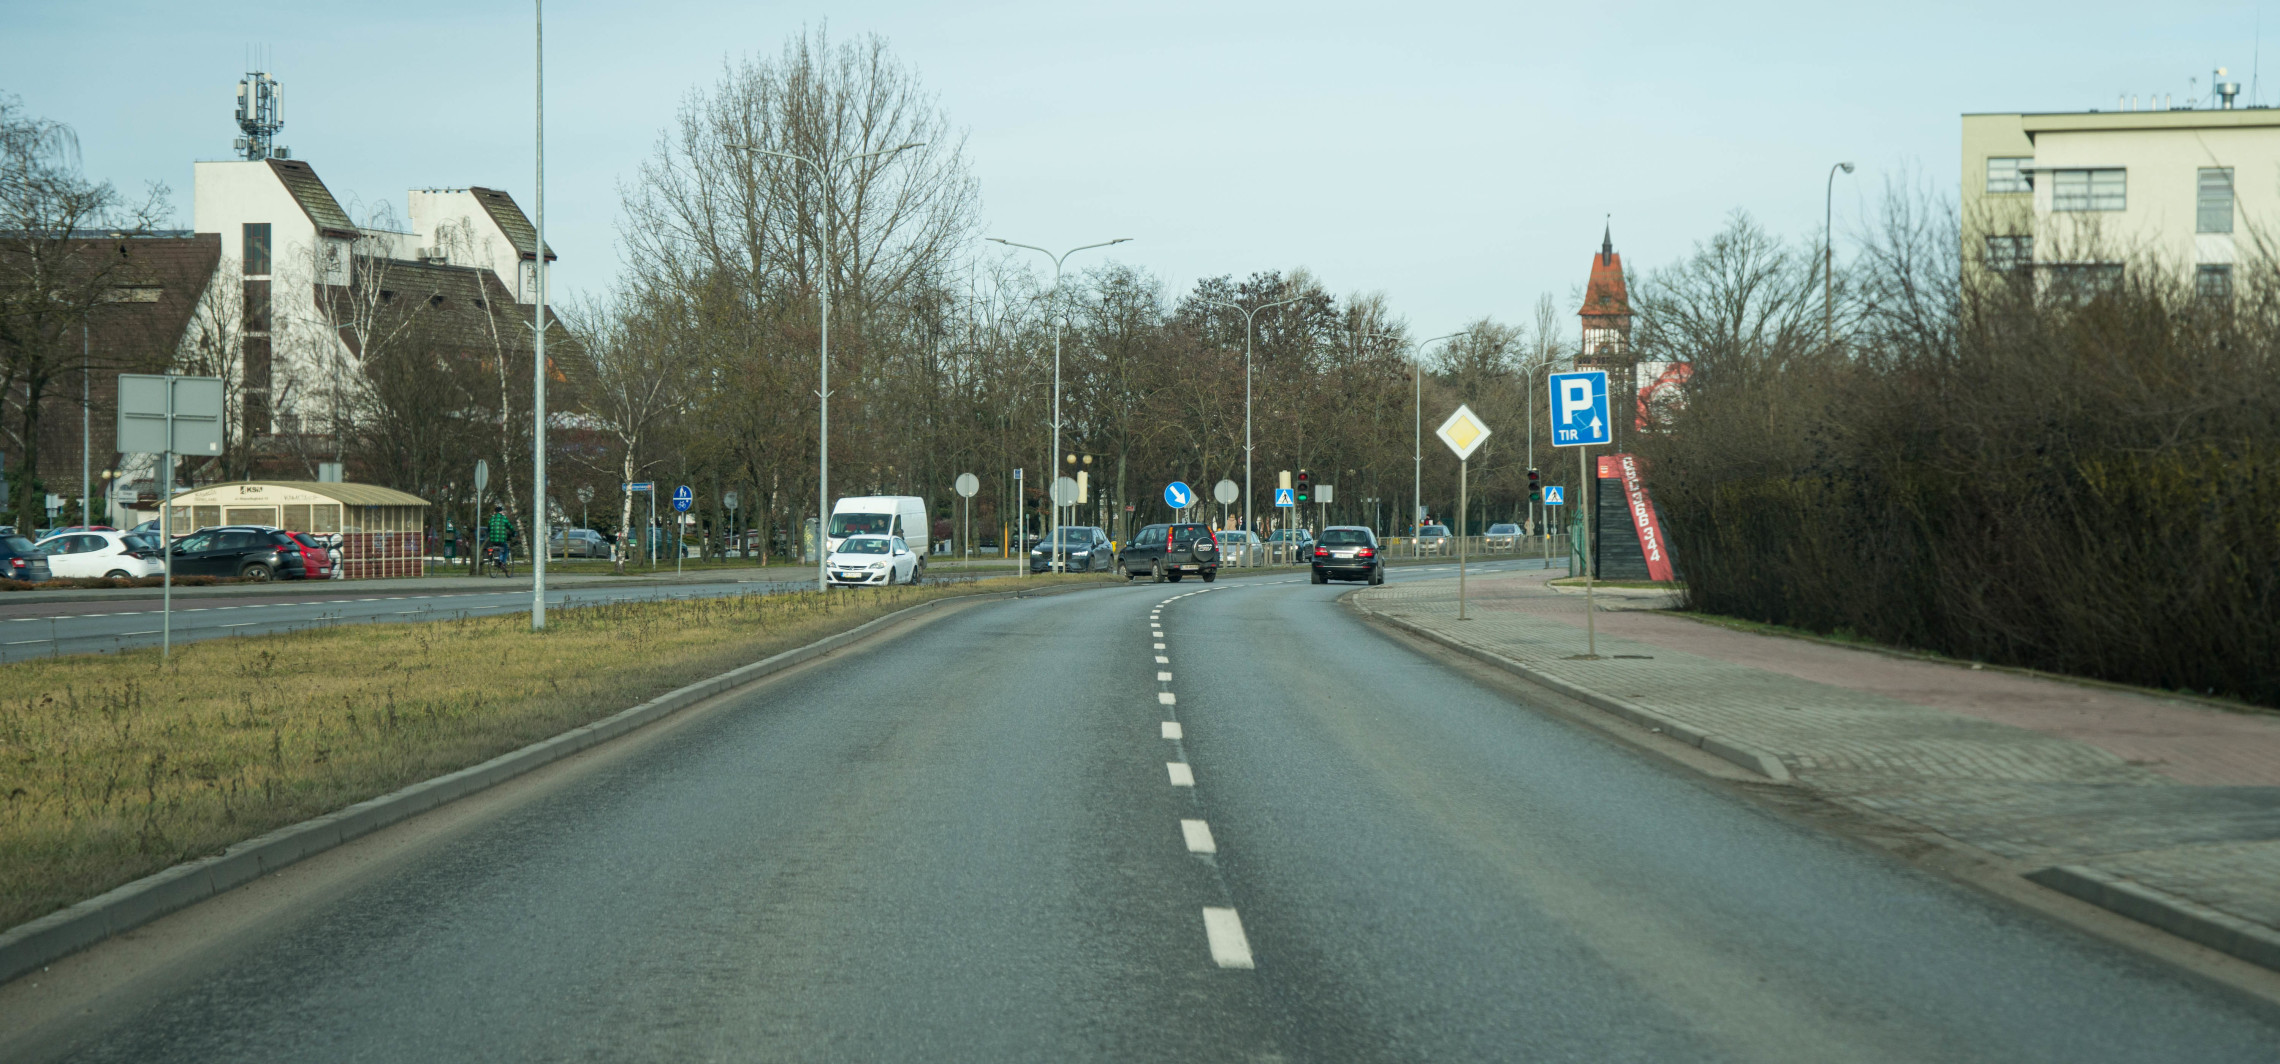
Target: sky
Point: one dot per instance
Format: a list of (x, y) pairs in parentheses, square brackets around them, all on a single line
[(1460, 158)]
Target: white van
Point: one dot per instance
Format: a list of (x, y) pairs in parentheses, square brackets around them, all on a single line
[(880, 515)]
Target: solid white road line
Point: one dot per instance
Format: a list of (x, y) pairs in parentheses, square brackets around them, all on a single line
[(1166, 698), (1171, 729), (1229, 949), (1198, 835), (1182, 775), (1163, 677)]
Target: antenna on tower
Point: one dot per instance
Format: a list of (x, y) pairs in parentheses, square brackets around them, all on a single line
[(258, 98)]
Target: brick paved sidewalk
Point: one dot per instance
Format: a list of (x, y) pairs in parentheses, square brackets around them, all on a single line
[(2177, 800)]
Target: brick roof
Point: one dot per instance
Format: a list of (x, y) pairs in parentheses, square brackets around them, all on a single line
[(510, 219), (1606, 296), (315, 199)]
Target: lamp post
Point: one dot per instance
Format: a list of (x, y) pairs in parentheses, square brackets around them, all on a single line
[(1055, 295), (824, 169), (1248, 316), (1417, 445), (1828, 256), (1530, 392), (538, 535)]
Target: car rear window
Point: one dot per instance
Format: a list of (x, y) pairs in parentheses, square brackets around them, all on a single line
[(17, 544), (1345, 537), (1182, 535)]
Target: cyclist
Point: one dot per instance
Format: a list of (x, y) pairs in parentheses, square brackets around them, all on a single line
[(499, 531)]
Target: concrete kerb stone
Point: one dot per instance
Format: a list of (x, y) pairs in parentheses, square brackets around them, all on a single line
[(1758, 761), (29, 946), (2188, 920)]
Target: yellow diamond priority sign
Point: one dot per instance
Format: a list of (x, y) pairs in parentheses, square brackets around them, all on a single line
[(1463, 432)]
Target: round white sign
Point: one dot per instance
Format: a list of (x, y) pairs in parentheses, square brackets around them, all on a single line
[(968, 484), (1065, 491), (1226, 491)]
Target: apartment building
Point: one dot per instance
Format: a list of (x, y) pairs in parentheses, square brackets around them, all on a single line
[(2078, 198)]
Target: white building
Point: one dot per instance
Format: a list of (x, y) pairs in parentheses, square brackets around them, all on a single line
[(2078, 197), (285, 239)]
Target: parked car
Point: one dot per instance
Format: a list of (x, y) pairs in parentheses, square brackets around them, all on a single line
[(248, 552), (1502, 537), (19, 560), (1434, 539), (578, 543), (1239, 547), (1169, 552), (103, 553), (900, 516), (1298, 541), (873, 560), (1348, 552), (1084, 549), (318, 557)]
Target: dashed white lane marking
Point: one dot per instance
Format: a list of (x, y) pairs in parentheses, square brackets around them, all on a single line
[(1162, 660), (21, 642), (153, 631), (1182, 775), (1229, 949), (1166, 698), (1172, 729), (242, 624), (1159, 646), (1164, 677), (1198, 835)]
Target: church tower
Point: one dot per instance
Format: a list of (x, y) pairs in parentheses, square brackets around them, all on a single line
[(1606, 318)]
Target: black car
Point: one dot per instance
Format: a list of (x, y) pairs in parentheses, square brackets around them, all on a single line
[(1348, 552), (1169, 552), (19, 560), (249, 552), (1084, 549)]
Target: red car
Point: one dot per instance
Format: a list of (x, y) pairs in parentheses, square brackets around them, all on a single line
[(316, 559)]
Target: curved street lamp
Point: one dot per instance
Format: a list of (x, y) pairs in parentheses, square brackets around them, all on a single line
[(1248, 316), (823, 391), (1828, 256), (1055, 465)]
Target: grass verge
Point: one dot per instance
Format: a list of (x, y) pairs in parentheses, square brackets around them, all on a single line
[(115, 766)]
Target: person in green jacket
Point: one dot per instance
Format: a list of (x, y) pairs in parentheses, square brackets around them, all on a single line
[(499, 531)]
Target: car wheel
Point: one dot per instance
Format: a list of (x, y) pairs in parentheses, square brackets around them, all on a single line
[(1210, 576), (257, 572), (917, 575), (1321, 577), (117, 574), (1155, 572), (1175, 578)]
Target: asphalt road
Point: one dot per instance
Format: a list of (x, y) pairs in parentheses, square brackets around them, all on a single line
[(978, 842)]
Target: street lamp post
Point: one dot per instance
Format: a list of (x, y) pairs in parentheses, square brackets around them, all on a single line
[(1828, 256), (825, 169), (1055, 465), (1248, 315), (539, 539), (1417, 469)]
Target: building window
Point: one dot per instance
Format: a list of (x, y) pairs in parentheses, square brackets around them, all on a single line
[(257, 249), (2213, 281), (2010, 174), (2089, 190), (2214, 205), (2081, 282), (2005, 253)]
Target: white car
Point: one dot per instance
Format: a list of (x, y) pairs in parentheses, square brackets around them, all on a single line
[(100, 554), (872, 560)]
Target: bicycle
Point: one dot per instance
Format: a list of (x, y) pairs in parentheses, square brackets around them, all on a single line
[(495, 556)]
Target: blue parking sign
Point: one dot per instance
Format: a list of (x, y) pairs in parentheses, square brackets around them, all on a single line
[(1580, 416), (1554, 496)]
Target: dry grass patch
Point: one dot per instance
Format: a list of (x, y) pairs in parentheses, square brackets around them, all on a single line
[(114, 766)]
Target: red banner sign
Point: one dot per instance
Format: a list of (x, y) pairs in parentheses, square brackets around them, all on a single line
[(1625, 467)]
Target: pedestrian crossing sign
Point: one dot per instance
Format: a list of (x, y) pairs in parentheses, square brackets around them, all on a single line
[(1554, 496), (1286, 497)]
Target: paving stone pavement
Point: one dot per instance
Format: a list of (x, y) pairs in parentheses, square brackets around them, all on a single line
[(2175, 795)]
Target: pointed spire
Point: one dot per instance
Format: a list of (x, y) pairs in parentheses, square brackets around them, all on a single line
[(1607, 241)]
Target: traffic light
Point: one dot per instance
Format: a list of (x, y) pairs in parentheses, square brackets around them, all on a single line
[(1305, 487), (1535, 487)]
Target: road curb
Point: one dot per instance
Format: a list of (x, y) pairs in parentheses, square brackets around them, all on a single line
[(1749, 757), (2188, 920), (29, 946)]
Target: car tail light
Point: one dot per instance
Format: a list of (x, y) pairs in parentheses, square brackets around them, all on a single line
[(1366, 552)]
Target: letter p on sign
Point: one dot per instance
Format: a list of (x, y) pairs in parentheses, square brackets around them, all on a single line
[(1575, 398)]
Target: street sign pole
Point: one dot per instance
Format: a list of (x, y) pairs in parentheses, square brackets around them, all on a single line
[(1575, 396), (160, 414), (1464, 432)]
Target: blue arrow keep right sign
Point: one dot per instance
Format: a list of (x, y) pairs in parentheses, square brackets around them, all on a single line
[(1178, 496), (1579, 409)]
